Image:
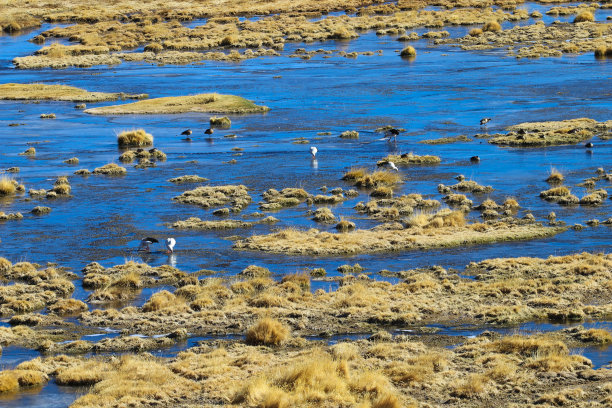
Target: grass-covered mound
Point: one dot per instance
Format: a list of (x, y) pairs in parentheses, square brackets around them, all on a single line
[(211, 103)]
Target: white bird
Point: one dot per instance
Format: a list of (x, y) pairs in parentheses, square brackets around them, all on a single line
[(388, 165), (392, 166), (313, 152), (170, 242), (145, 244)]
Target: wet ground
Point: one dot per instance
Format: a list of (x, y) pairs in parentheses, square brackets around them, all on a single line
[(443, 92)]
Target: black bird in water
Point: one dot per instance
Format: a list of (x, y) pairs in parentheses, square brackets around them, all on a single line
[(186, 132), (392, 133), (208, 131), (484, 121), (145, 244), (589, 145), (475, 159)]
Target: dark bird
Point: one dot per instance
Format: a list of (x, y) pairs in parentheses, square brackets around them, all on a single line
[(208, 131), (589, 145), (145, 244), (186, 132), (474, 159), (392, 133), (484, 121), (522, 132)]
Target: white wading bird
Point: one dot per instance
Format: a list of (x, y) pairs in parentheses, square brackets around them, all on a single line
[(313, 152), (170, 242), (389, 165)]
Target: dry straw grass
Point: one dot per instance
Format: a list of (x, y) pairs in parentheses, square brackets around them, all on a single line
[(14, 91), (268, 332), (134, 138), (214, 103), (111, 169), (427, 231), (380, 178), (7, 186)]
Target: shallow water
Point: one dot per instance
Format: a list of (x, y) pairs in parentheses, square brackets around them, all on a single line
[(444, 92)]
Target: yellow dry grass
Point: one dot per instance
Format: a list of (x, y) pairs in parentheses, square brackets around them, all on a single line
[(13, 91), (379, 178), (430, 232), (204, 103), (134, 138), (7, 186), (268, 332)]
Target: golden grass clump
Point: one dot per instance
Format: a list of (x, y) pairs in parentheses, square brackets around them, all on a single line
[(161, 300), (555, 177), (30, 151), (64, 307), (555, 193), (12, 380), (345, 225), (319, 380), (254, 271), (585, 16), (409, 52), (349, 134), (5, 265), (475, 32), (378, 178), (7, 186), (111, 169), (603, 51), (134, 138), (268, 332), (220, 122), (492, 26), (324, 215), (14, 91), (154, 47)]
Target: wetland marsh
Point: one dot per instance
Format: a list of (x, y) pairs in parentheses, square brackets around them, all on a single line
[(478, 273)]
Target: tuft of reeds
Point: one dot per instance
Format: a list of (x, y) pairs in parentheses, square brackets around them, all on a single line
[(220, 122), (492, 26), (349, 134), (555, 177), (409, 52), (7, 186), (267, 331), (585, 16), (111, 169), (134, 138), (379, 178)]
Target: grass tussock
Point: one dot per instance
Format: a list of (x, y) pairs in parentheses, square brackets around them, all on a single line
[(379, 178), (318, 377), (408, 159), (555, 177), (585, 16), (7, 186), (492, 26), (134, 138), (268, 332), (220, 122), (409, 52), (213, 196), (111, 169), (203, 103)]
